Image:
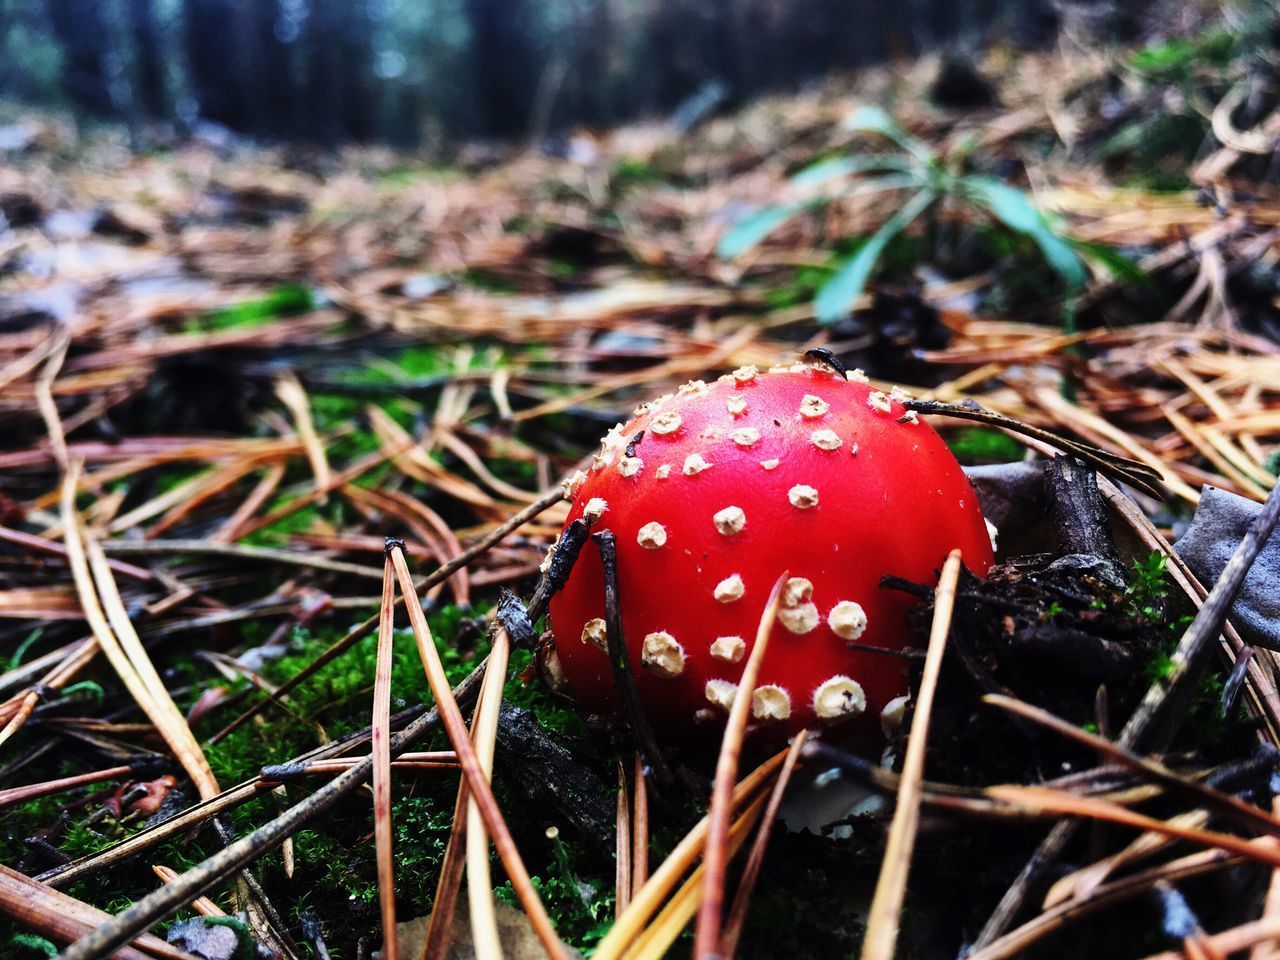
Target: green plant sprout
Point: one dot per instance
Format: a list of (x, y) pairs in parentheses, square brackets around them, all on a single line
[(927, 178)]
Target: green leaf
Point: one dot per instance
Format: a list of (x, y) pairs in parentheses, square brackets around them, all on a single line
[(983, 445), (824, 171), (876, 120), (1122, 268), (748, 232), (838, 293), (1013, 208)]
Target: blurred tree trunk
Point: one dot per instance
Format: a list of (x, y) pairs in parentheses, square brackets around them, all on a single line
[(409, 70)]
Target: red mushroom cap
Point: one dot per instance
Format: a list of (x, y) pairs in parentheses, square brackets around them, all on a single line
[(714, 492)]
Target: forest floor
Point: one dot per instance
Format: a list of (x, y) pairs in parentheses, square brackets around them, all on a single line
[(228, 372)]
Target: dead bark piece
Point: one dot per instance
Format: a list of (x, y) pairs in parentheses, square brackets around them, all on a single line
[(552, 779), (1079, 518)]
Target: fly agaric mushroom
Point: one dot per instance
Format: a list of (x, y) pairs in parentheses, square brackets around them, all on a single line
[(712, 493)]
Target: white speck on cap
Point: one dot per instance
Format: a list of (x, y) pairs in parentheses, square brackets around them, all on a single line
[(652, 535), (736, 405), (879, 400), (812, 406), (662, 655), (729, 649), (746, 374), (595, 633), (730, 589), (630, 466), (745, 436), (858, 376), (909, 417), (729, 521), (571, 485), (899, 393), (839, 698), (595, 509), (694, 388), (993, 532), (694, 464), (825, 439), (847, 620), (663, 471), (803, 496), (799, 619), (797, 590), (770, 702), (665, 423), (721, 693), (892, 715), (770, 464)]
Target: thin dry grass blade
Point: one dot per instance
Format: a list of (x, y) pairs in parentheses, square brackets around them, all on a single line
[(1231, 941), (1016, 941), (755, 860), (639, 828), (138, 676), (229, 529), (622, 847), (1238, 810), (706, 939), (647, 900), (1271, 905), (456, 728), (435, 945), (484, 921), (891, 888), (31, 791), (656, 940), (380, 747), (201, 905), (164, 713), (293, 396), (1079, 884), (1045, 801)]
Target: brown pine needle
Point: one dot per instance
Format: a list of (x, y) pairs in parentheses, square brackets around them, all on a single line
[(435, 945), (201, 905), (484, 922), (706, 939), (62, 918), (293, 396), (891, 888), (451, 717), (755, 860), (148, 692), (380, 748), (639, 828), (31, 791), (1046, 801), (622, 846), (655, 942), (648, 899)]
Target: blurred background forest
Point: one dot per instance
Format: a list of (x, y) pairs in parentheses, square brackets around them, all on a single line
[(403, 72)]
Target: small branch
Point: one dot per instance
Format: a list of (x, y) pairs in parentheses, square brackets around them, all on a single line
[(624, 679)]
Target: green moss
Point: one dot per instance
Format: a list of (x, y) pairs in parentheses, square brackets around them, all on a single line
[(286, 300)]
